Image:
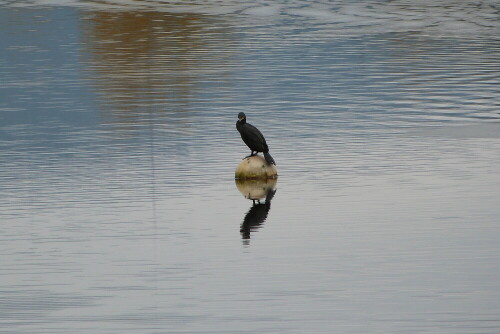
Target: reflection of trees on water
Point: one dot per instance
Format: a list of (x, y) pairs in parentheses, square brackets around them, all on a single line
[(153, 60)]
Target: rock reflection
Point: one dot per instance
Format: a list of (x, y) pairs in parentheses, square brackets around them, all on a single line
[(256, 190)]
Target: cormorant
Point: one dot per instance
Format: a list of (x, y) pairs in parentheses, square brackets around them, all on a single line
[(253, 138)]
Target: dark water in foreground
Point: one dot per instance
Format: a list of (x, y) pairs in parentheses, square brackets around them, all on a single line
[(118, 207)]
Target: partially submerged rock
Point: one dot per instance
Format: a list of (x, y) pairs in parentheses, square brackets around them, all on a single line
[(255, 168)]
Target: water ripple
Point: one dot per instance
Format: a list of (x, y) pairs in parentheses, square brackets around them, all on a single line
[(118, 146)]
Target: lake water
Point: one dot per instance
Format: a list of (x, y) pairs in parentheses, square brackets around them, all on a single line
[(118, 205)]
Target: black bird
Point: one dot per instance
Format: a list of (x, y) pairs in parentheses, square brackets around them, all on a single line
[(253, 138)]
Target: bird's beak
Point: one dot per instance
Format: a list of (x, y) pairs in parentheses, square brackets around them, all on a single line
[(240, 118)]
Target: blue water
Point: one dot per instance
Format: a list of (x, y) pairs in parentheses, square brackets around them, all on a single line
[(118, 205)]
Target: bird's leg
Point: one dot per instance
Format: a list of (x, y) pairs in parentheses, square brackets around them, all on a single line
[(251, 155)]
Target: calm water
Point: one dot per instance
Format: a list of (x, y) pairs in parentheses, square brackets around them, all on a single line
[(118, 206)]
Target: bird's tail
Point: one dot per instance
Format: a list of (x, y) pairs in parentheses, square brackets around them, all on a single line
[(269, 158)]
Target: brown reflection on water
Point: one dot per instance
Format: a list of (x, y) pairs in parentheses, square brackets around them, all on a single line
[(151, 60)]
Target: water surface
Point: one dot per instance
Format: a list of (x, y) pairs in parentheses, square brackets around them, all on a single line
[(119, 209)]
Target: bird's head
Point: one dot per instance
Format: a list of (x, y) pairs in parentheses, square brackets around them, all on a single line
[(242, 116)]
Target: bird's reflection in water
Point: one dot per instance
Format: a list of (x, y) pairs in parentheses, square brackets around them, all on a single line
[(261, 192)]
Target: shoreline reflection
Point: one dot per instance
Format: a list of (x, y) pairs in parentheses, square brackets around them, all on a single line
[(141, 62)]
